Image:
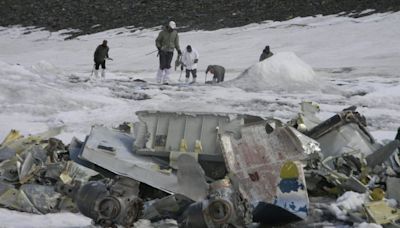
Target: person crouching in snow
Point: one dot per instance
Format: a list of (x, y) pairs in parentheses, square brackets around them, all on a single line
[(217, 71), (100, 56), (166, 42), (189, 60), (266, 53)]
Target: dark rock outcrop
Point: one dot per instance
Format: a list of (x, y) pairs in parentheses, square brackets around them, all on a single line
[(91, 16)]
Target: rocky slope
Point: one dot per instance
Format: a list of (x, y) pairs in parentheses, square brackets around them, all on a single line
[(91, 16)]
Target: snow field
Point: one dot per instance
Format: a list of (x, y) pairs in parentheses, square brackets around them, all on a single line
[(334, 61)]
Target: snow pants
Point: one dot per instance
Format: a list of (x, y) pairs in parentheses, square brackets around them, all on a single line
[(97, 65), (165, 59), (194, 73), (219, 77)]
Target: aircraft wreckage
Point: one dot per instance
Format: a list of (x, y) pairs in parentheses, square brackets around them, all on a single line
[(204, 169)]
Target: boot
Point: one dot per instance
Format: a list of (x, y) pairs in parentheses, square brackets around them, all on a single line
[(186, 80), (193, 81), (166, 76), (159, 75), (103, 73), (96, 73)]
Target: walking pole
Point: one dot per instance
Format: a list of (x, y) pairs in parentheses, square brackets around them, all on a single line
[(180, 76), (151, 52), (92, 70), (205, 79)]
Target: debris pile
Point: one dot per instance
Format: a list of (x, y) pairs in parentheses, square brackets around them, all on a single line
[(31, 168), (209, 170)]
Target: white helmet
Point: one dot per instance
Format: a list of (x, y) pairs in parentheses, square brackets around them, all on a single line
[(172, 24)]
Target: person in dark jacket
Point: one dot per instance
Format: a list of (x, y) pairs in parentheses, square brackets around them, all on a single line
[(217, 71), (100, 56), (266, 53), (166, 42)]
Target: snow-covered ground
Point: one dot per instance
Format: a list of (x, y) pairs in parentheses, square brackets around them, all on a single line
[(356, 62)]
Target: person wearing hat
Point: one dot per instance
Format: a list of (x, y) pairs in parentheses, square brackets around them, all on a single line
[(100, 56), (190, 59), (166, 42), (266, 53)]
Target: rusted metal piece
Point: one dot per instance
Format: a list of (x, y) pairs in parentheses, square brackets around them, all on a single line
[(191, 178), (342, 133), (108, 204), (382, 154), (32, 198), (223, 207), (257, 161)]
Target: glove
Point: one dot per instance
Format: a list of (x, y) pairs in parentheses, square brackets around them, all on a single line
[(196, 61), (179, 52)]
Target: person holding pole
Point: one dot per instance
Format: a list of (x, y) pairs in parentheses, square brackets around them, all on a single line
[(189, 60), (100, 56)]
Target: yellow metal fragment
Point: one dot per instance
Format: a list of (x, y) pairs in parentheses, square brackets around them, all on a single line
[(12, 136), (183, 147), (289, 171), (377, 194), (198, 148), (65, 178), (380, 212)]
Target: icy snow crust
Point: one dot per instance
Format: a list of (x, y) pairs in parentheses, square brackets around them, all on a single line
[(15, 219), (349, 201), (355, 62)]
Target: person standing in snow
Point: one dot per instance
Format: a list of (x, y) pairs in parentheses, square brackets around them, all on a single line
[(100, 56), (166, 42), (189, 60), (266, 53), (217, 71)]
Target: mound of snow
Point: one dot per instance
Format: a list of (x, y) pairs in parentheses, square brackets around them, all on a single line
[(282, 71)]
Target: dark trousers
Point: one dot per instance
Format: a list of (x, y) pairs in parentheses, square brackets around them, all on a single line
[(165, 59), (97, 65), (219, 77), (194, 73)]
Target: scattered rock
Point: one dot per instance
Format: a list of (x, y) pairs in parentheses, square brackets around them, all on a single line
[(190, 14), (133, 95)]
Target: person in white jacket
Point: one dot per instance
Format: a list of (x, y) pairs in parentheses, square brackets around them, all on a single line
[(190, 59)]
